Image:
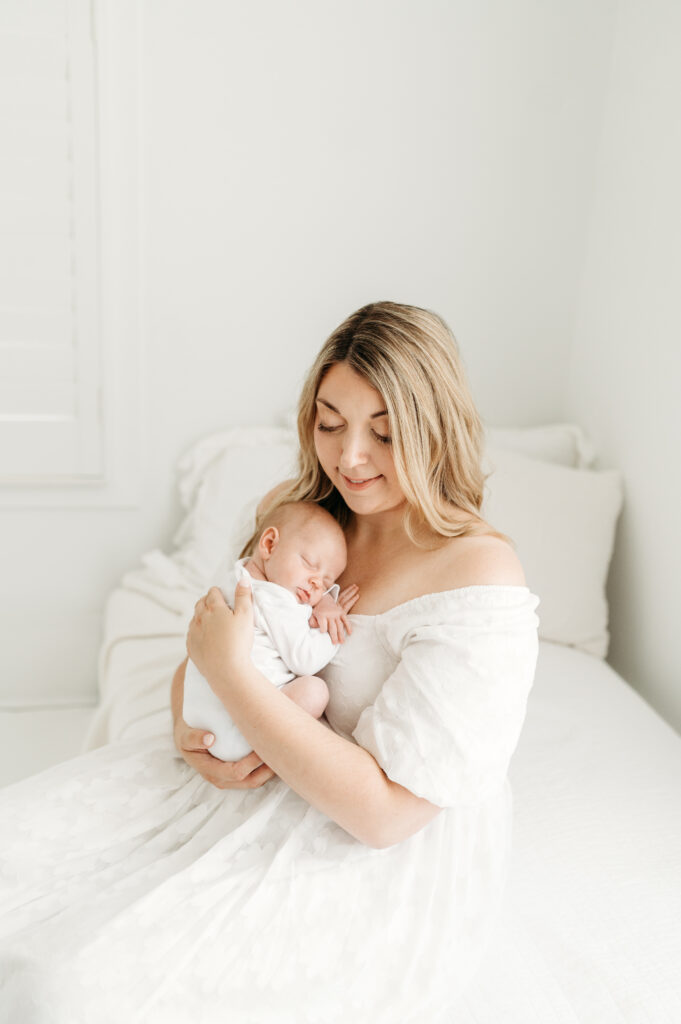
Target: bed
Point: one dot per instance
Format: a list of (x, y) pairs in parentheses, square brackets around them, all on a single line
[(590, 930)]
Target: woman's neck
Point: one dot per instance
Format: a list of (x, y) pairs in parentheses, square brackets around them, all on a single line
[(381, 527), (386, 532)]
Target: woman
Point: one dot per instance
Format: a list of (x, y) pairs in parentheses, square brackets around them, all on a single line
[(352, 872)]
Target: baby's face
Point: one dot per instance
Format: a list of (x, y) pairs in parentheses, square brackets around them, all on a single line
[(306, 560)]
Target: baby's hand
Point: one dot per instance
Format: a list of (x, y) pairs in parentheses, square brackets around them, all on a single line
[(331, 617)]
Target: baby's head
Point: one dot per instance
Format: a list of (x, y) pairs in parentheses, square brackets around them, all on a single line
[(302, 548)]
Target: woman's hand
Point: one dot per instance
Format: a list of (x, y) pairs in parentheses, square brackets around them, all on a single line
[(248, 773), (219, 640)]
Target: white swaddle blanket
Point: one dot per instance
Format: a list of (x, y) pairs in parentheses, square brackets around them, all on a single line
[(284, 646)]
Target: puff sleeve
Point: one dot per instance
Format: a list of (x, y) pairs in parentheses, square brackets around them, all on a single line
[(447, 720)]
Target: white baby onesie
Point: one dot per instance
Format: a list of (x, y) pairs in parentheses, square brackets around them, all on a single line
[(284, 646)]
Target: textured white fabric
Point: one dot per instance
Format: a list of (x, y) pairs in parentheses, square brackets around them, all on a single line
[(563, 443), (133, 890), (221, 479), (446, 721), (563, 523), (593, 758), (284, 646), (590, 931)]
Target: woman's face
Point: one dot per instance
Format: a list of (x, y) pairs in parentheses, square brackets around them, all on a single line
[(352, 438)]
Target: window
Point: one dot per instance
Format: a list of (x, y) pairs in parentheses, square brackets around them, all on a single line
[(67, 225)]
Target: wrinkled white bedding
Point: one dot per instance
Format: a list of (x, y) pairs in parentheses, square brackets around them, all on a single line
[(591, 930), (591, 927)]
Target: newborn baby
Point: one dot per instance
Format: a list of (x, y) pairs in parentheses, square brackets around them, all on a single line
[(300, 554)]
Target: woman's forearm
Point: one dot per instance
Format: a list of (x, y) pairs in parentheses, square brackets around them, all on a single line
[(333, 774)]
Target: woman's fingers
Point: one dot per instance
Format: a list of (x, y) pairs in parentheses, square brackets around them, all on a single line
[(261, 775), (197, 739), (248, 773), (210, 600), (243, 598), (247, 764), (194, 746)]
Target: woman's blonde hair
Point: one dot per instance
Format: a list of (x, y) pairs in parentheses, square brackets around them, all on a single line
[(410, 356)]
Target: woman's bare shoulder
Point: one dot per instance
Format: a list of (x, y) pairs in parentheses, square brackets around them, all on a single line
[(271, 495), (480, 561)]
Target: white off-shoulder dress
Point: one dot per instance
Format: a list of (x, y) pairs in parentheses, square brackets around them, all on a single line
[(132, 889)]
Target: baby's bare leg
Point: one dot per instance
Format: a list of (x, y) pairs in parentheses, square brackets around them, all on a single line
[(308, 692)]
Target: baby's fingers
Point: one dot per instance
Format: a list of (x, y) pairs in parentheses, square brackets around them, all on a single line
[(343, 628), (348, 598)]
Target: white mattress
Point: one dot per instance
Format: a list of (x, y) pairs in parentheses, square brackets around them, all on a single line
[(591, 927)]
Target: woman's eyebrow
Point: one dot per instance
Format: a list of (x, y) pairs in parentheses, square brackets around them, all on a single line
[(374, 415)]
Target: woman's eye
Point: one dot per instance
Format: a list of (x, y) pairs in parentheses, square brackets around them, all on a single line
[(382, 438)]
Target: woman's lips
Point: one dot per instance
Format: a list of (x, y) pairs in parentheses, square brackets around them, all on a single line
[(359, 484)]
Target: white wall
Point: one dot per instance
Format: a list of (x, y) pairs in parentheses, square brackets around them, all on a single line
[(300, 160), (626, 358)]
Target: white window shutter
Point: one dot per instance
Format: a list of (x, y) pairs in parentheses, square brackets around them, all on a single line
[(51, 422)]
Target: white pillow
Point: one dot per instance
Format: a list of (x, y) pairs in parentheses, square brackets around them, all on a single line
[(221, 481), (564, 443), (562, 521)]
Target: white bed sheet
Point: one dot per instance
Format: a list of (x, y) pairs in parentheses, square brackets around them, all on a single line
[(591, 930), (591, 927)]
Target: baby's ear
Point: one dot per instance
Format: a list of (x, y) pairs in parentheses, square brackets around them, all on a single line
[(268, 541)]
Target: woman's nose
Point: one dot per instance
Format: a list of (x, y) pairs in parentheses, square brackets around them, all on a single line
[(353, 452)]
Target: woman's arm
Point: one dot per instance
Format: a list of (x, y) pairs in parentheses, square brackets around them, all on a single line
[(248, 773), (333, 774)]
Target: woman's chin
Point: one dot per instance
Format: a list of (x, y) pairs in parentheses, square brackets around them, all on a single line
[(368, 505), (361, 501)]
